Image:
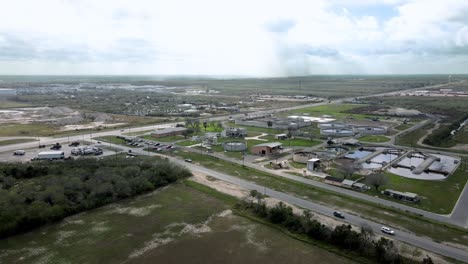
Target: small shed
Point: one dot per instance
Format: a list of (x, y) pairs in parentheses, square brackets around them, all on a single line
[(313, 164), (267, 149), (281, 136), (348, 183), (333, 181)]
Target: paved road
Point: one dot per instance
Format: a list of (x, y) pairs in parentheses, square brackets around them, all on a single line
[(418, 241), (441, 218), (421, 242)]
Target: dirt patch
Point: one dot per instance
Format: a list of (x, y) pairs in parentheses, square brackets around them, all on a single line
[(220, 186), (91, 125)]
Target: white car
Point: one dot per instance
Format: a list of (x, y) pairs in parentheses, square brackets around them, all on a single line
[(387, 230)]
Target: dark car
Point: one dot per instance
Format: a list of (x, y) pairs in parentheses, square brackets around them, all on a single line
[(42, 146), (74, 144), (338, 214)]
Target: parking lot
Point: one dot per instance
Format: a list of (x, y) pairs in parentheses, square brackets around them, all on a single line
[(32, 152)]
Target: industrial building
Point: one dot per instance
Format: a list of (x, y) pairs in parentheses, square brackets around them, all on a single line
[(170, 131), (267, 149)]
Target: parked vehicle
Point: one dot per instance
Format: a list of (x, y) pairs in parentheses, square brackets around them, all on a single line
[(188, 160), (387, 230), (19, 152), (42, 146), (74, 144), (56, 146), (50, 155), (338, 214)]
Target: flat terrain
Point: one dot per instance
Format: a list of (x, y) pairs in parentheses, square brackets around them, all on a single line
[(371, 211), (15, 141), (374, 139), (178, 224)]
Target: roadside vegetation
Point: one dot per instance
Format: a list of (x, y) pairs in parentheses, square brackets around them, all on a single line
[(360, 244), (442, 136), (34, 194), (16, 141), (374, 139), (369, 210), (410, 139)]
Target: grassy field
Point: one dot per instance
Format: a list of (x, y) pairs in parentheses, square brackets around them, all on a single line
[(183, 223), (164, 139), (437, 196), (16, 141), (113, 140), (337, 111), (293, 142), (12, 104), (403, 127), (137, 133), (410, 139), (374, 139), (452, 107), (406, 221)]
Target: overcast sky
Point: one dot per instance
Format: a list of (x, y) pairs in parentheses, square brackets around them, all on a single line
[(237, 37)]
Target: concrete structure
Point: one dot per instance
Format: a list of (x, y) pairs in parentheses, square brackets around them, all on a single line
[(210, 138), (274, 122), (234, 132), (370, 130), (267, 149), (170, 131), (351, 142), (281, 136), (235, 146), (332, 125), (303, 156), (337, 132), (350, 184), (314, 119), (313, 164), (404, 196)]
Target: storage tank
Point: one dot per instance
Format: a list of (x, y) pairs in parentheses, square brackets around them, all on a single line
[(236, 146)]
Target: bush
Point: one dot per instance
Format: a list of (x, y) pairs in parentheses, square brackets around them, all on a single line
[(38, 193)]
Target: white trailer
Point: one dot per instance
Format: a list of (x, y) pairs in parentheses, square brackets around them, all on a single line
[(50, 155)]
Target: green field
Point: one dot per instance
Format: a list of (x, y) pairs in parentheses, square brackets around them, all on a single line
[(437, 196), (113, 140), (374, 139), (406, 221), (453, 107), (164, 139), (181, 223), (337, 111), (137, 133), (12, 104), (16, 141), (410, 139), (403, 127)]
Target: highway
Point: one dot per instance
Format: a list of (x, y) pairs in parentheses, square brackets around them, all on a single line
[(400, 235)]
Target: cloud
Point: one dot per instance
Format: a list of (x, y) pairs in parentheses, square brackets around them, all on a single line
[(209, 37), (281, 26)]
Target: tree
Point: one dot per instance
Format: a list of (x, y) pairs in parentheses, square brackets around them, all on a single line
[(347, 168), (377, 180), (205, 125), (270, 123), (427, 260)]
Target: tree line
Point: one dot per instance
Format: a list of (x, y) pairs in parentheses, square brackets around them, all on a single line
[(441, 136), (34, 194), (343, 236)]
